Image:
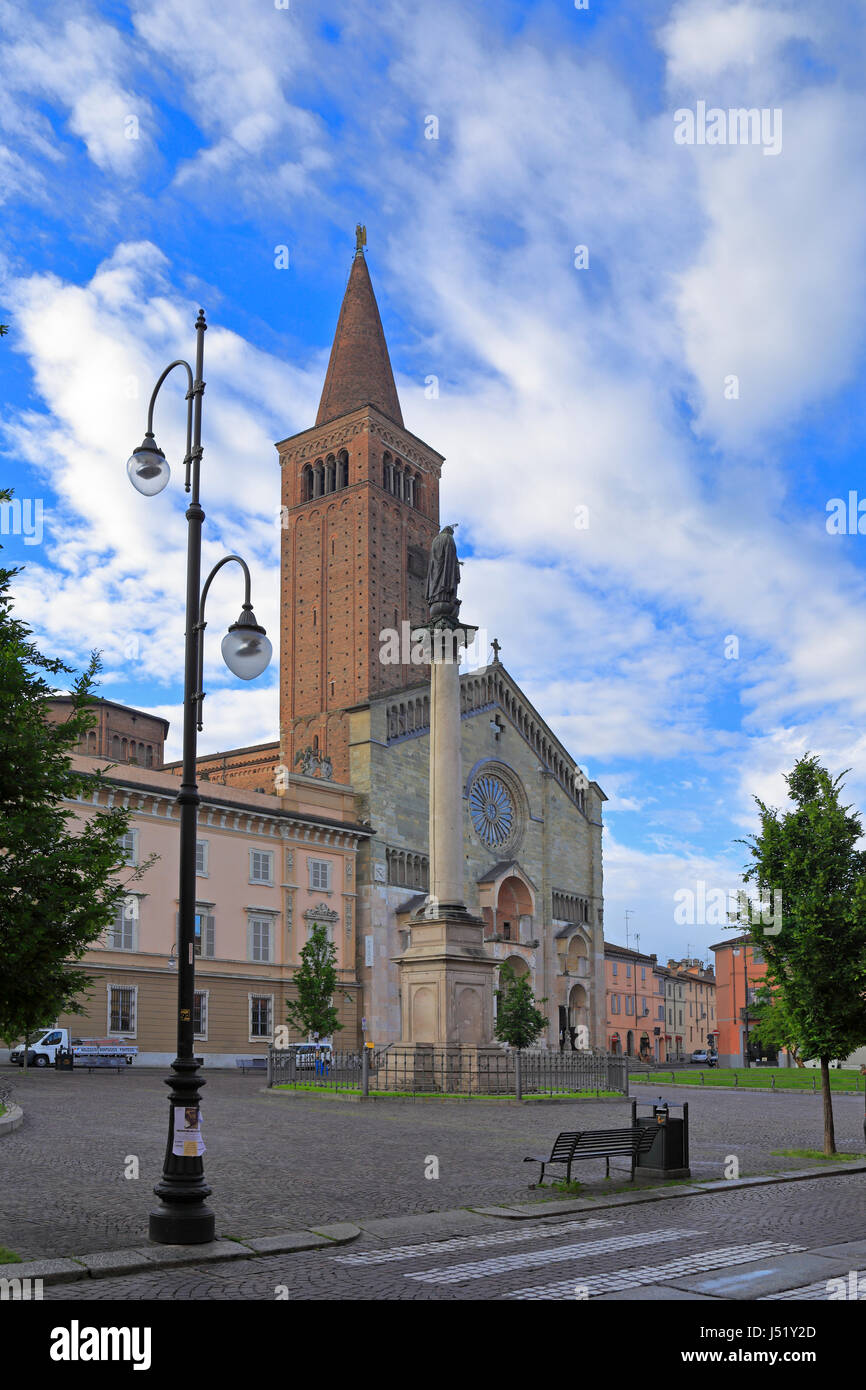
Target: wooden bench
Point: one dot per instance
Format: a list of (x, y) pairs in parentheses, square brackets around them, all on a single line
[(569, 1146), (251, 1064)]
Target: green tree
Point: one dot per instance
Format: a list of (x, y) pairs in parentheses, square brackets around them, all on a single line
[(773, 1026), (816, 963), (59, 884), (518, 1021), (313, 1010)]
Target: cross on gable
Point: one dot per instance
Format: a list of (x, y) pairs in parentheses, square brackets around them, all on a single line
[(497, 726)]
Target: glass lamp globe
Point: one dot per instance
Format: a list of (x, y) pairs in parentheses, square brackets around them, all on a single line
[(246, 649), (148, 471)]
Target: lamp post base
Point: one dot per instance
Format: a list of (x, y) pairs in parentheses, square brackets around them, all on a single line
[(173, 1225), (182, 1217)]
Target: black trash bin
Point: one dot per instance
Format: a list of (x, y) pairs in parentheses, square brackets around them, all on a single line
[(64, 1061), (668, 1155)]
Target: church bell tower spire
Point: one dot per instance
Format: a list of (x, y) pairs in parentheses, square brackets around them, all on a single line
[(360, 508)]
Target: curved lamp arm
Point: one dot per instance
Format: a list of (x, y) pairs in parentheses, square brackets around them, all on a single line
[(193, 389), (246, 632), (148, 470)]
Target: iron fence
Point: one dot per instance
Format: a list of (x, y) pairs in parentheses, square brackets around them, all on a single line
[(449, 1071)]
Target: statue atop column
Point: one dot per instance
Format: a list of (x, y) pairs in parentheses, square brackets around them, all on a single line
[(443, 577)]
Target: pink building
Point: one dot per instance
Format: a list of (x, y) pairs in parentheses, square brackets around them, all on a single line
[(268, 868)]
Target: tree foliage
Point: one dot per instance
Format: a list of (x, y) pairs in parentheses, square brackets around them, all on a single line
[(518, 1022), (59, 884), (313, 1010), (816, 963)]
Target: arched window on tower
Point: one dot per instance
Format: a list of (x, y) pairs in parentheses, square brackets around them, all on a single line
[(343, 469), (331, 474), (319, 486), (306, 483), (409, 487), (398, 481), (388, 473)]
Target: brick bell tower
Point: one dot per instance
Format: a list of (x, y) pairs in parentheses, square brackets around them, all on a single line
[(360, 508)]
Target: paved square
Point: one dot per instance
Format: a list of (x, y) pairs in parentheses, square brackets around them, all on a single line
[(283, 1163)]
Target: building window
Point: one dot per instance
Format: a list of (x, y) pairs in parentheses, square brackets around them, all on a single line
[(628, 972), (661, 1013), (261, 1006), (615, 970), (368, 950), (129, 847), (199, 1014), (201, 847), (642, 974), (204, 934), (121, 1008), (259, 931), (320, 874), (122, 932), (261, 866), (629, 1004)]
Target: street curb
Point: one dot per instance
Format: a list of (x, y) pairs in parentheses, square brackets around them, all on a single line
[(528, 1210), (11, 1120), (106, 1264)]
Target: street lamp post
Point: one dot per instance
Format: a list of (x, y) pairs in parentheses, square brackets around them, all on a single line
[(183, 1217)]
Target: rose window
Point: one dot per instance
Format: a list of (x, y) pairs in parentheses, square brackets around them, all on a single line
[(492, 809)]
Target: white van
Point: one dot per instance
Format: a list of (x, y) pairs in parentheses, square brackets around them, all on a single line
[(43, 1050)]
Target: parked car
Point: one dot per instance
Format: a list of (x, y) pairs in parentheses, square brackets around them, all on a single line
[(705, 1059)]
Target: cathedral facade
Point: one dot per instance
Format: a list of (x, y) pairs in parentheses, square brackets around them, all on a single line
[(360, 508)]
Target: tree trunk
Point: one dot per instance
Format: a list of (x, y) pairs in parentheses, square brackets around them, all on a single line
[(829, 1131), (26, 1048)]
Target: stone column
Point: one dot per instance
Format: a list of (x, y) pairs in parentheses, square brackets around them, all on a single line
[(446, 778)]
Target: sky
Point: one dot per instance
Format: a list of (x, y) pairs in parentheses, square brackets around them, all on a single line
[(637, 337)]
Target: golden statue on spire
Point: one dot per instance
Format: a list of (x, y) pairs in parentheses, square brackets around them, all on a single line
[(360, 238)]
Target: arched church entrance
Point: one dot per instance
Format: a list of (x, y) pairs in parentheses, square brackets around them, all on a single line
[(514, 909), (578, 1019)]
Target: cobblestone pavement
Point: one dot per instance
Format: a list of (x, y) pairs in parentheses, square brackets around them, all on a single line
[(675, 1248), (282, 1163)]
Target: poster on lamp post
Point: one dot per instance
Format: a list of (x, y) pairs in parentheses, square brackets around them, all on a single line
[(188, 1140)]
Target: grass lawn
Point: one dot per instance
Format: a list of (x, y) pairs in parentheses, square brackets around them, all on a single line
[(786, 1078), (447, 1095)]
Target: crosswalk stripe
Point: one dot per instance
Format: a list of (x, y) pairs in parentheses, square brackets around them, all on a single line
[(594, 1284), (529, 1259), (477, 1242)]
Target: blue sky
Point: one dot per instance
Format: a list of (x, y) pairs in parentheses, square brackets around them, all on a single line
[(155, 156)]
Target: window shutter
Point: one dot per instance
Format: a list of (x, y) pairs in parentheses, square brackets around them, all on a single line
[(208, 943)]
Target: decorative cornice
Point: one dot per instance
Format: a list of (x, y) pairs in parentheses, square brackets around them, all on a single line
[(322, 913)]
